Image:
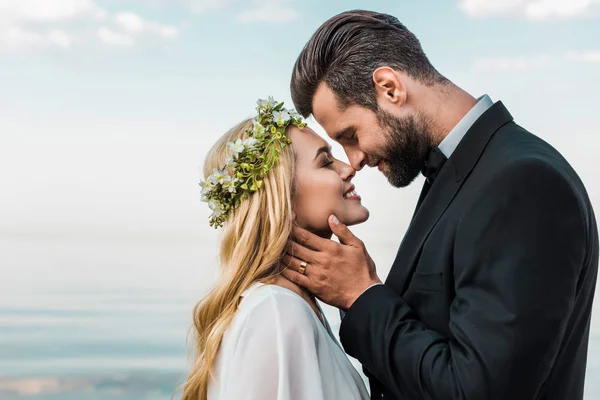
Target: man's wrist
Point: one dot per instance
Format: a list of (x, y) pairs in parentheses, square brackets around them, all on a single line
[(375, 283)]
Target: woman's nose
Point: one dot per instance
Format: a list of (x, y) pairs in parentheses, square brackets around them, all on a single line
[(346, 171)]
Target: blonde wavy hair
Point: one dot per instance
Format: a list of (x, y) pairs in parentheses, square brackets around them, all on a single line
[(253, 240)]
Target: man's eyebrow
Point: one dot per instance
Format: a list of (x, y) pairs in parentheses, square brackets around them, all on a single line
[(344, 132), (323, 149)]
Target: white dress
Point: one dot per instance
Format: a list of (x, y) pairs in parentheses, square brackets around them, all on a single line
[(276, 348)]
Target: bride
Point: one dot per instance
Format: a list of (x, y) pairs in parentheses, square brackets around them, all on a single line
[(259, 336)]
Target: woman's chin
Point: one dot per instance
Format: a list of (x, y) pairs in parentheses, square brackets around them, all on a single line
[(356, 218)]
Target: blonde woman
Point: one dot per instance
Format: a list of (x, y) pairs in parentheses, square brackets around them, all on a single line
[(258, 335)]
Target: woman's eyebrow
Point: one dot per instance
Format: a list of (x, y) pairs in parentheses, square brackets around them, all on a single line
[(323, 149)]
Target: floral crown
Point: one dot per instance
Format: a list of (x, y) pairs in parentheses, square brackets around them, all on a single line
[(251, 159)]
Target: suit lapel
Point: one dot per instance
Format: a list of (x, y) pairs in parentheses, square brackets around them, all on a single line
[(442, 192), (424, 191), (436, 201)]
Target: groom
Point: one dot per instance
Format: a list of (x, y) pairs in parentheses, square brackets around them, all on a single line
[(491, 291)]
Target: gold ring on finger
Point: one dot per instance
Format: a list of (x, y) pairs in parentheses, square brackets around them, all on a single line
[(302, 268)]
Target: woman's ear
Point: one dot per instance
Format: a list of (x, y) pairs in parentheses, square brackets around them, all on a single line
[(293, 216)]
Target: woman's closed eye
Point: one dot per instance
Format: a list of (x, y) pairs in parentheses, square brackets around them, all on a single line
[(326, 161)]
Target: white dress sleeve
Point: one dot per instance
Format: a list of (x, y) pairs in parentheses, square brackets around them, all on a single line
[(275, 357)]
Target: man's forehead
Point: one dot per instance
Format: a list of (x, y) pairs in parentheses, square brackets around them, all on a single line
[(326, 108)]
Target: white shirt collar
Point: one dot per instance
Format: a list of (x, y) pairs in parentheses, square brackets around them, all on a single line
[(453, 138)]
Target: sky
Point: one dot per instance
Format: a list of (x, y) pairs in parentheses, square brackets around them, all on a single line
[(108, 107)]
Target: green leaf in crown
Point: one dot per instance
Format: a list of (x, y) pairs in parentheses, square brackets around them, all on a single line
[(251, 159)]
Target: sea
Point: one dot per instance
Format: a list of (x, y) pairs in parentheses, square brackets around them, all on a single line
[(108, 319)]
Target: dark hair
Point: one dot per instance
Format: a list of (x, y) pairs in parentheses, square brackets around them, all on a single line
[(345, 51)]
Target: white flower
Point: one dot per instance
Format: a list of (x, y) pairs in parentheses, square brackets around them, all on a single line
[(214, 204), (281, 117), (230, 164), (206, 187), (257, 129), (268, 103), (218, 176), (294, 114), (229, 184), (216, 208), (211, 178), (250, 142), (217, 213), (236, 147)]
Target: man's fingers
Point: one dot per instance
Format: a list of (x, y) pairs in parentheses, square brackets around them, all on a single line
[(303, 253), (309, 239), (288, 262), (293, 263), (297, 278), (342, 232)]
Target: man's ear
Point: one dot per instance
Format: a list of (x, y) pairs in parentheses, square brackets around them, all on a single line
[(390, 87)]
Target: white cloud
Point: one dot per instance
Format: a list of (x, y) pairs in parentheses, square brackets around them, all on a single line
[(530, 9), (44, 23), (269, 11), (130, 21), (18, 16), (249, 10), (135, 24), (45, 10), (168, 32), (591, 56), (60, 38), (14, 37), (112, 38), (509, 64), (523, 63), (200, 6)]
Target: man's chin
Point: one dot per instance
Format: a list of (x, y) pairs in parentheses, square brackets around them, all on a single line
[(399, 180)]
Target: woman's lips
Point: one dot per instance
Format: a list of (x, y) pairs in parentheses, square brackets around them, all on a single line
[(351, 195)]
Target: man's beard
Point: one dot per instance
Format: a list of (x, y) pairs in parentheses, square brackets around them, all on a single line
[(407, 148)]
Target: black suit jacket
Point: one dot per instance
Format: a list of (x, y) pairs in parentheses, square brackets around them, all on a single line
[(491, 292)]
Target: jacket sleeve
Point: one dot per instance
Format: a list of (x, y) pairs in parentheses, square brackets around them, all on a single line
[(518, 256)]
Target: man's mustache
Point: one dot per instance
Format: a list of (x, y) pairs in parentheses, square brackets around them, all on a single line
[(373, 161)]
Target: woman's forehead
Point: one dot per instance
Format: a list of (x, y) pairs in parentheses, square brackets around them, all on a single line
[(306, 137)]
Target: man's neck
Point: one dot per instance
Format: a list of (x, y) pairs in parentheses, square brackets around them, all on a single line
[(445, 107)]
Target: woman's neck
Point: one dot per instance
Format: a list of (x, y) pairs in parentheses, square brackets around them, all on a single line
[(280, 280), (300, 291)]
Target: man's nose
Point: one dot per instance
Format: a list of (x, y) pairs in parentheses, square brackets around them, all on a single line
[(357, 159)]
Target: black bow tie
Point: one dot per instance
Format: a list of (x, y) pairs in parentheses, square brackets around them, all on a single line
[(434, 163)]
